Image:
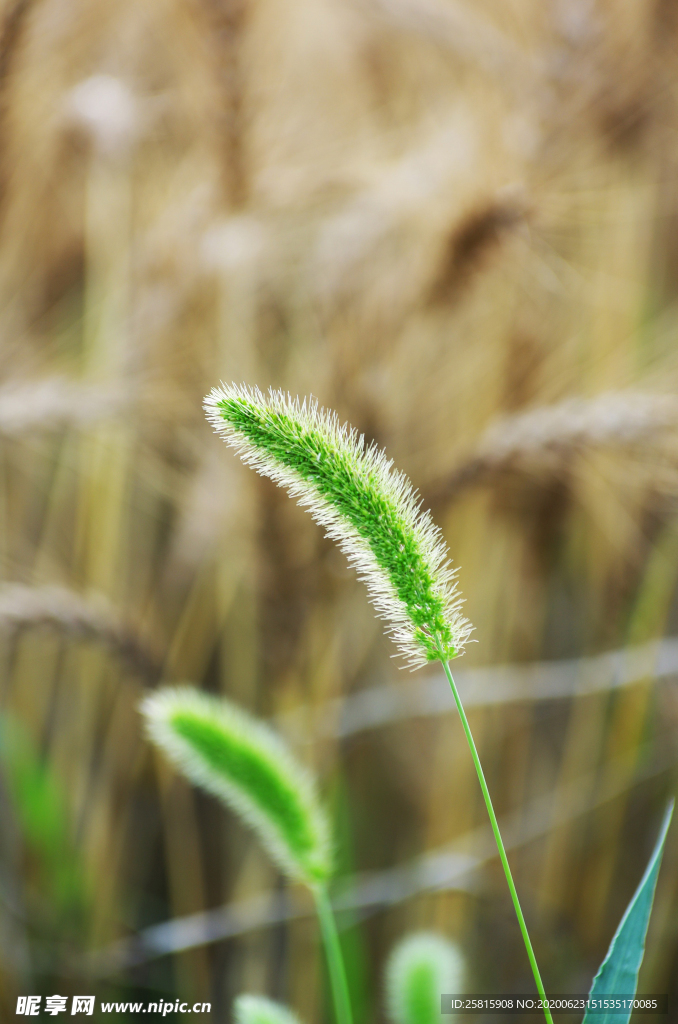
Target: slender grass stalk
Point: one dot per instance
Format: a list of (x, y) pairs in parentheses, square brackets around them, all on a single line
[(335, 959), (497, 835)]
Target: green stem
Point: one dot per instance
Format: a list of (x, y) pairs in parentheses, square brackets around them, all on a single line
[(497, 836), (335, 960)]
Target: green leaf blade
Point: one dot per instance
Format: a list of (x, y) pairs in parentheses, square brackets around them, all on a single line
[(40, 806), (618, 974)]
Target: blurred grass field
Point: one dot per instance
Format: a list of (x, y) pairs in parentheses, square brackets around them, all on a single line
[(456, 225)]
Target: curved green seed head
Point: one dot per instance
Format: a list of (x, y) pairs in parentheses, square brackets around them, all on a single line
[(244, 763), (420, 969), (249, 1009), (371, 510)]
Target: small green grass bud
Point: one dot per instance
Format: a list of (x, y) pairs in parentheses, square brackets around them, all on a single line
[(420, 969), (249, 1009)]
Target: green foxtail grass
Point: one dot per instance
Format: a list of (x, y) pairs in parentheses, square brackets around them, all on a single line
[(238, 759), (247, 766), (248, 1009), (373, 513), (421, 967), (370, 509)]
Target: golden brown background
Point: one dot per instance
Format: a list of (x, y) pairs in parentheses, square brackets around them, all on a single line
[(456, 224)]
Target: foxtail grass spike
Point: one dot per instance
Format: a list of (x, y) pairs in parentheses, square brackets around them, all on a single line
[(420, 968), (370, 509), (245, 764), (249, 1009)]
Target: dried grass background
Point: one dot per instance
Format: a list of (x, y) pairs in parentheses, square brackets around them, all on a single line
[(454, 223)]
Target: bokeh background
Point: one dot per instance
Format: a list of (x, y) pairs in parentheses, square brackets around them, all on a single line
[(456, 224)]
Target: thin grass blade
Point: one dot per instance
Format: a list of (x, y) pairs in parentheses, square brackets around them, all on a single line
[(618, 973), (39, 805)]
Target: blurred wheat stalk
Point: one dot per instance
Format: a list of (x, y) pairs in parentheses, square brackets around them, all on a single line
[(455, 224)]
